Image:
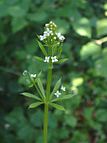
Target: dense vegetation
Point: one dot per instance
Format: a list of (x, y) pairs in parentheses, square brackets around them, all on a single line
[(84, 24)]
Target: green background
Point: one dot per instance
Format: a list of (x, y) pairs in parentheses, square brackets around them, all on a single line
[(84, 24)]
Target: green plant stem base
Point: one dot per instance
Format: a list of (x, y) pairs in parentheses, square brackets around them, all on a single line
[(45, 130)]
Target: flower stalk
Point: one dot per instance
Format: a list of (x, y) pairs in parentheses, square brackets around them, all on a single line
[(45, 126), (46, 106), (50, 44)]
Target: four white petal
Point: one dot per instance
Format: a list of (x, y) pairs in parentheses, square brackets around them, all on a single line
[(57, 94), (46, 60), (54, 59)]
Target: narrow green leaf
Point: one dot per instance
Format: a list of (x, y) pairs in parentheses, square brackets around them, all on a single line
[(42, 48), (31, 95), (57, 106), (62, 60), (39, 74), (36, 104), (38, 58), (56, 87), (64, 97), (40, 85)]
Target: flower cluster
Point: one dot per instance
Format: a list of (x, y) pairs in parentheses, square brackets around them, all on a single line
[(53, 58), (51, 25), (57, 93), (50, 34)]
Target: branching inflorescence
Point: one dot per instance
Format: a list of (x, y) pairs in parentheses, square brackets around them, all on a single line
[(50, 44)]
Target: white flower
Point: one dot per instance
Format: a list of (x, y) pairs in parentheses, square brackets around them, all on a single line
[(42, 37), (25, 72), (57, 94), (47, 59), (33, 75), (54, 59), (46, 25), (61, 37), (47, 32), (63, 88)]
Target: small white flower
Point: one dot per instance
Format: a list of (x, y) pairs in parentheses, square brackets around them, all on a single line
[(33, 75), (47, 59), (25, 72), (46, 25), (63, 88), (42, 37), (61, 37), (47, 32), (54, 59), (57, 94)]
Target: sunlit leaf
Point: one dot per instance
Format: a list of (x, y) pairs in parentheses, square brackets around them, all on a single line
[(82, 27), (90, 49), (102, 27), (77, 81)]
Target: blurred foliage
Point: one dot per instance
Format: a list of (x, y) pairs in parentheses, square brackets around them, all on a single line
[(84, 24)]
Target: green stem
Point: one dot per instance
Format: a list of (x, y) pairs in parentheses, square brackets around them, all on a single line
[(49, 79), (48, 88), (45, 131)]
